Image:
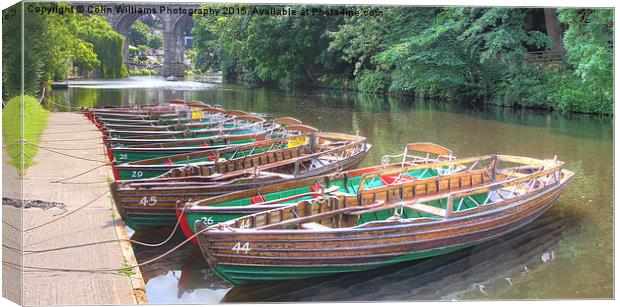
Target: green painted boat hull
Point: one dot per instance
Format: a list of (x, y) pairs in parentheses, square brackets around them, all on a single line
[(128, 174), (147, 222), (128, 141), (245, 275), (146, 173), (124, 155)]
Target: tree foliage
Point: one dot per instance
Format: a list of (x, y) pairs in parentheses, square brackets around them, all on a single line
[(51, 43), (589, 46), (139, 33), (107, 44), (286, 50), (472, 54)]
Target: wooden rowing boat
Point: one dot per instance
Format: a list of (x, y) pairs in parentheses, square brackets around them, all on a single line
[(228, 125), (161, 115), (388, 224), (236, 204), (260, 126), (223, 208), (122, 154), (171, 106), (204, 119), (128, 122), (151, 203)]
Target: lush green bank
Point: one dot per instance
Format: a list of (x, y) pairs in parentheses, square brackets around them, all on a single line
[(473, 54), (34, 122), (56, 46)]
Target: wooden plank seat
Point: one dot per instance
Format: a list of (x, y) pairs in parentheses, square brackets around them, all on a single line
[(305, 219), (330, 158), (414, 206), (377, 206), (427, 209), (285, 199), (313, 226), (230, 174)]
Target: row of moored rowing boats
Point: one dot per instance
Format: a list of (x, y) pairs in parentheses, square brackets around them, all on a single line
[(269, 199)]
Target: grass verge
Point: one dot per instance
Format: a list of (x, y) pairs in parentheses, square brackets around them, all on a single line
[(35, 121)]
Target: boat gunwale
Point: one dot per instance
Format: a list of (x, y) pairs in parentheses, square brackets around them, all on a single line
[(406, 224)]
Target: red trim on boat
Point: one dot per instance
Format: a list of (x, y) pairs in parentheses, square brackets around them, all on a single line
[(187, 231), (395, 178), (257, 199), (117, 175), (315, 188)]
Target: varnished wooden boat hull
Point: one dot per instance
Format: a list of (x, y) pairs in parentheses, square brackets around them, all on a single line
[(134, 208), (250, 256)]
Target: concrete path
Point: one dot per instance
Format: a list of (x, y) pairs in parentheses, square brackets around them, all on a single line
[(96, 222), (11, 233)]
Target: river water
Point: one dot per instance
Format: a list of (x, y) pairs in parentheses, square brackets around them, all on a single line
[(567, 253)]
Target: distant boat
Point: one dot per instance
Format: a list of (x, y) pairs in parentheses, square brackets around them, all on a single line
[(171, 78), (60, 85)]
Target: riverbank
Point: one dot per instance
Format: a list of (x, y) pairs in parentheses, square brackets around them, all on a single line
[(54, 275), (349, 85)]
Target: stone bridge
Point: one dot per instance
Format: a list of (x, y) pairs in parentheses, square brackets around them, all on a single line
[(174, 16)]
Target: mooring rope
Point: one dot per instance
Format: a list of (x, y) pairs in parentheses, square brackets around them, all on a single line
[(12, 226), (51, 124), (70, 140), (85, 182), (11, 144), (80, 174), (64, 154), (88, 148), (101, 270), (51, 133), (68, 214), (65, 106), (170, 236)]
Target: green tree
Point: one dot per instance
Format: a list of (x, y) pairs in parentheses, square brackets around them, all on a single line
[(238, 45), (473, 54), (107, 44), (52, 44), (589, 47), (139, 33), (155, 41)]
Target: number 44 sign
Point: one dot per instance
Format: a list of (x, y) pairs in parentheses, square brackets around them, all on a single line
[(239, 247)]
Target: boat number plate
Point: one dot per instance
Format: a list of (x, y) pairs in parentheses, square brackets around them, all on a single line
[(148, 201), (208, 221), (239, 247)]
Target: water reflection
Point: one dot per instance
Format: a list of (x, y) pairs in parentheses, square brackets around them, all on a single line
[(182, 277)]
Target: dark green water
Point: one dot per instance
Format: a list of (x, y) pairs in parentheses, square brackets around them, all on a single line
[(567, 253)]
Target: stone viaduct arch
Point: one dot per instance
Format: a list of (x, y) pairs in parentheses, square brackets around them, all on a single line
[(174, 32)]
